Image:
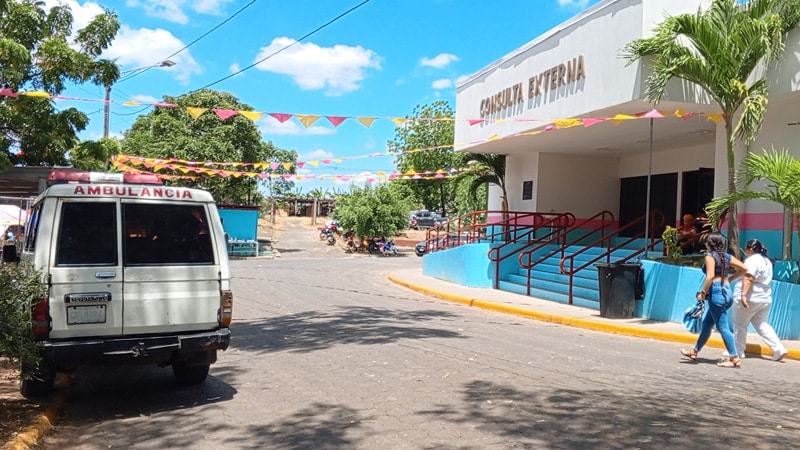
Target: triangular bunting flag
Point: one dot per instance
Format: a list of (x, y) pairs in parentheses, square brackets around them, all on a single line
[(306, 119), (592, 121), (475, 121), (252, 115), (196, 112), (398, 120), (716, 118), (225, 113), (281, 117), (366, 121), (132, 103), (336, 120), (566, 123)]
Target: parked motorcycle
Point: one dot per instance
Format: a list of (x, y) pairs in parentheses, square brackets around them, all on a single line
[(329, 227), (330, 236), (389, 248), (350, 242), (374, 246)]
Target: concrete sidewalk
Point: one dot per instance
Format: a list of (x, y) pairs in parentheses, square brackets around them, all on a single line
[(575, 316)]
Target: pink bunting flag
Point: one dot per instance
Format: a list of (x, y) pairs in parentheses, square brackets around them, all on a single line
[(336, 120), (475, 121), (281, 117), (300, 164), (592, 121), (6, 92), (225, 113), (274, 166), (165, 104)]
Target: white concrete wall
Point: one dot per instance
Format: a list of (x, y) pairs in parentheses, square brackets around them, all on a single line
[(582, 185), (599, 35), (518, 170)]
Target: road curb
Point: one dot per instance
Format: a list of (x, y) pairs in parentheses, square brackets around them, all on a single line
[(44, 422), (605, 327)]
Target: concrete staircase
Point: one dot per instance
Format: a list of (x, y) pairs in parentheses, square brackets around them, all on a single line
[(549, 283)]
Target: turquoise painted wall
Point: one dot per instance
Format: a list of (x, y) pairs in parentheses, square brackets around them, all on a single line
[(240, 224), (669, 289)]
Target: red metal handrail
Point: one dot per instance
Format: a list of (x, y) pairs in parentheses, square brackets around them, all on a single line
[(555, 222), (656, 221), (606, 219)]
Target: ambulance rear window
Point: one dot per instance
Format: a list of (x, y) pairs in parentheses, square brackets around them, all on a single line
[(164, 234), (87, 234)]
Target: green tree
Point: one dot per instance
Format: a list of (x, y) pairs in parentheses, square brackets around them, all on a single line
[(94, 155), (723, 50), (173, 133), (428, 128), (780, 173), (38, 52), (374, 210), (486, 169)]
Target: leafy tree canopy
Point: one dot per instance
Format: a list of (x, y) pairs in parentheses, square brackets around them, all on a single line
[(39, 52), (173, 133), (418, 133), (374, 211)]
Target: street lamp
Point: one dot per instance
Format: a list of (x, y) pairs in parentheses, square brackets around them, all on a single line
[(107, 109)]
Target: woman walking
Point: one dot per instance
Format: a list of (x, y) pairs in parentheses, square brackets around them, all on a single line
[(716, 290), (752, 300)]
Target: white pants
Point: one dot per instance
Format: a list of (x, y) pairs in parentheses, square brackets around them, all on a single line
[(756, 314)]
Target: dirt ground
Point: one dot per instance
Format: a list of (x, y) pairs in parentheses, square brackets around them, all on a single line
[(18, 413)]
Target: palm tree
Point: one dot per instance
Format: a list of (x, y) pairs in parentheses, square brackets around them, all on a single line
[(723, 51), (781, 173), (488, 168)]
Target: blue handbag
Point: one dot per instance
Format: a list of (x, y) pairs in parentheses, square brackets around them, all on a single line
[(693, 317)]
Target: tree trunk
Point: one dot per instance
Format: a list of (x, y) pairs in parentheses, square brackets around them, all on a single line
[(733, 220)]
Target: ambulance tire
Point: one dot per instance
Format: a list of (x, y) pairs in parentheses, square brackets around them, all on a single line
[(187, 375)]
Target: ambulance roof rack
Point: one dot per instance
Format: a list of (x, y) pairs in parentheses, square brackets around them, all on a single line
[(60, 176)]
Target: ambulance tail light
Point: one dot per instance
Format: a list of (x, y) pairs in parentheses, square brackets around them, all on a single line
[(40, 319), (61, 176), (226, 309)]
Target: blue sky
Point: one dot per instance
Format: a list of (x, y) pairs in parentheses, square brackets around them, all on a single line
[(380, 60)]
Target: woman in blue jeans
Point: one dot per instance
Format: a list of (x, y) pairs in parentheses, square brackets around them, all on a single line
[(716, 291)]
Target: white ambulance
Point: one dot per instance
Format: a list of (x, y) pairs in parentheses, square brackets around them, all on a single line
[(136, 272)]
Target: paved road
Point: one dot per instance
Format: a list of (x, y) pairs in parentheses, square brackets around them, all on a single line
[(327, 353)]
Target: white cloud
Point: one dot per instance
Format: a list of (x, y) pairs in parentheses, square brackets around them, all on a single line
[(81, 14), (574, 3), (439, 61), (146, 99), (171, 10), (234, 68), (269, 125), (128, 46), (316, 155), (338, 69), (444, 83), (209, 6)]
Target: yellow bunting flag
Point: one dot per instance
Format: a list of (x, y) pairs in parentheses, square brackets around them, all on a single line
[(306, 119), (716, 118), (366, 121), (35, 94), (195, 112), (566, 123), (132, 103), (252, 115), (398, 120), (287, 165)]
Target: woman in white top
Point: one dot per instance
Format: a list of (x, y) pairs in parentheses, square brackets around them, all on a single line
[(752, 300)]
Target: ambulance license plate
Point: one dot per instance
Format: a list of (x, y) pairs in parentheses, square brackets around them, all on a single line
[(86, 314)]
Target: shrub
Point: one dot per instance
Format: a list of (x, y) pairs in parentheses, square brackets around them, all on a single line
[(18, 285)]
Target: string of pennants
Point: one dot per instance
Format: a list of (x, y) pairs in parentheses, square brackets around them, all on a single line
[(308, 120), (133, 164)]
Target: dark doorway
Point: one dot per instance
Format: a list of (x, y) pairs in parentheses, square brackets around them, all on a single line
[(698, 190), (633, 200)]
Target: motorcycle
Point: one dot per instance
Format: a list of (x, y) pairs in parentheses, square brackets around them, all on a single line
[(374, 246), (327, 229), (330, 236), (350, 242), (389, 248)]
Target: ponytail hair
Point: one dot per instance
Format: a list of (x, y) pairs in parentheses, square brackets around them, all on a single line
[(757, 246), (716, 243)]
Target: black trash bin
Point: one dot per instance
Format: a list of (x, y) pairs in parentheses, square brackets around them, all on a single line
[(620, 286)]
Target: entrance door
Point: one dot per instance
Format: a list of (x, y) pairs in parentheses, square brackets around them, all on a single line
[(698, 190), (633, 200)]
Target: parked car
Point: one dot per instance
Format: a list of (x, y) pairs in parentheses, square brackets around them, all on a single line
[(426, 219)]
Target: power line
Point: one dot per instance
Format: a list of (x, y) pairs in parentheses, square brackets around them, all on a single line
[(193, 42), (325, 25)]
